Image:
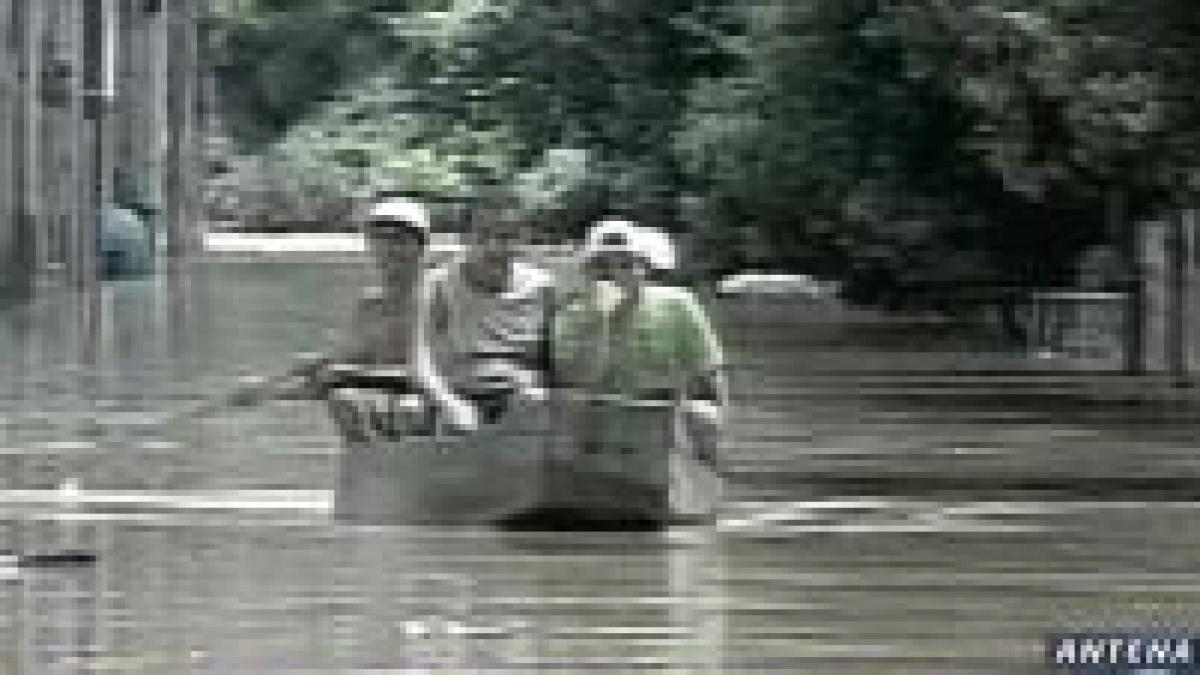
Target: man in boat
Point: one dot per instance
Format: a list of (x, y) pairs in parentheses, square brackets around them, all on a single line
[(631, 334), (381, 332), (397, 232), (468, 331), (479, 359), (379, 350), (482, 322), (362, 379)]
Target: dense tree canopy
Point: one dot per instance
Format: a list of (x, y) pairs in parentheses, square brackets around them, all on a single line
[(918, 149), (922, 149)]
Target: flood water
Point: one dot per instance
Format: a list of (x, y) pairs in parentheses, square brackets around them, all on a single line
[(901, 503)]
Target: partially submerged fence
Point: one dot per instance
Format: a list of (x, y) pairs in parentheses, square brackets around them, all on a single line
[(1076, 323)]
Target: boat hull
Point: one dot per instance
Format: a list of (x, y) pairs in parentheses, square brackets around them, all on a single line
[(400, 466), (608, 461)]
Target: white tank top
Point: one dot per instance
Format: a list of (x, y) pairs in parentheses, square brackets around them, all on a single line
[(468, 322)]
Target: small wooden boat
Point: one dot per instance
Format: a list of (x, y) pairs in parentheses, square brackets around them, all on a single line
[(625, 457), (609, 456), (402, 465), (604, 456)]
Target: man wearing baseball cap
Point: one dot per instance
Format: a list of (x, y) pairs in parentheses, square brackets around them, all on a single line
[(381, 331), (397, 232), (630, 334)]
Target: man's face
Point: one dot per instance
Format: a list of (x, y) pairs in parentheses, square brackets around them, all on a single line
[(623, 268), (496, 240), (394, 243)]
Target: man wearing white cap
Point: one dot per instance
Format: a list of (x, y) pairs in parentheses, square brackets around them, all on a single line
[(397, 232), (630, 335), (382, 329)]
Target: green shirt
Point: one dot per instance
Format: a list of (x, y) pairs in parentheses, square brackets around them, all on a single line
[(664, 342)]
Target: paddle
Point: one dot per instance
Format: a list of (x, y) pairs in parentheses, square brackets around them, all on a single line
[(254, 390), (651, 398)]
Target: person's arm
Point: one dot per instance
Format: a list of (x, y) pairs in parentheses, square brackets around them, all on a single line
[(537, 373), (351, 342), (427, 373), (566, 338), (353, 345), (707, 383)]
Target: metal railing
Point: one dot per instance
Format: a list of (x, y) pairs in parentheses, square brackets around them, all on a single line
[(1073, 323)]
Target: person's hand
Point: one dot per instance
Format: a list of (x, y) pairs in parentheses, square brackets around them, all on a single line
[(461, 416), (535, 394), (702, 412), (702, 423), (312, 386), (528, 387)]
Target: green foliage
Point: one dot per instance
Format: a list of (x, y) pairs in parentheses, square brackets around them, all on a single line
[(447, 98), (919, 151)]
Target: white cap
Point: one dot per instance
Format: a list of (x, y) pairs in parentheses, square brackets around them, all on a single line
[(401, 211), (658, 248), (613, 234)]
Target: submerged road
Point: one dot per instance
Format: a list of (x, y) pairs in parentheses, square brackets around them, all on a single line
[(901, 504)]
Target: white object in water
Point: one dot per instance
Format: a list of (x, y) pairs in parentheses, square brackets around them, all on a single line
[(755, 283), (69, 489), (9, 567)]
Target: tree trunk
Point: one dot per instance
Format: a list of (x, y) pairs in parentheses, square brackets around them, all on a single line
[(1179, 254)]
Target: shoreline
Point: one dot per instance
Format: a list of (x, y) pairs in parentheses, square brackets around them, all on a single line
[(336, 247)]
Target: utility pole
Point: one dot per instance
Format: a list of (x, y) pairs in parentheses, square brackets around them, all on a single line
[(27, 18), (1179, 261), (181, 17), (181, 53), (99, 91), (1130, 235), (9, 277)]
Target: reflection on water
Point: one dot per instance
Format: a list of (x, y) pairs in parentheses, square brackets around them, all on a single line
[(816, 586), (216, 552), (315, 596)]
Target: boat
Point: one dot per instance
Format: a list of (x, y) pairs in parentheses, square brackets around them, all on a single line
[(607, 457), (611, 457), (402, 464)]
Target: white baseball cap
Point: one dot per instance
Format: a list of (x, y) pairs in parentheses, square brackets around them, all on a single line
[(401, 211), (619, 235)]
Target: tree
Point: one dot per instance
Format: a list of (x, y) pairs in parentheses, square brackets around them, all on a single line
[(488, 88), (922, 148), (925, 152)]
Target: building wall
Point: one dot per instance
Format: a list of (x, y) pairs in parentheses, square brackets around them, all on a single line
[(1172, 330), (12, 283), (87, 86)]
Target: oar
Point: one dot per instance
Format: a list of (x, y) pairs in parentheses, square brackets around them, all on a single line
[(256, 389), (253, 390), (651, 398)]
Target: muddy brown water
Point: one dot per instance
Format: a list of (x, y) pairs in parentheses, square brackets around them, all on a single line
[(880, 521)]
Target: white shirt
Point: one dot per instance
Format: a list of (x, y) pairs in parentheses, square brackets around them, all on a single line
[(466, 321)]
